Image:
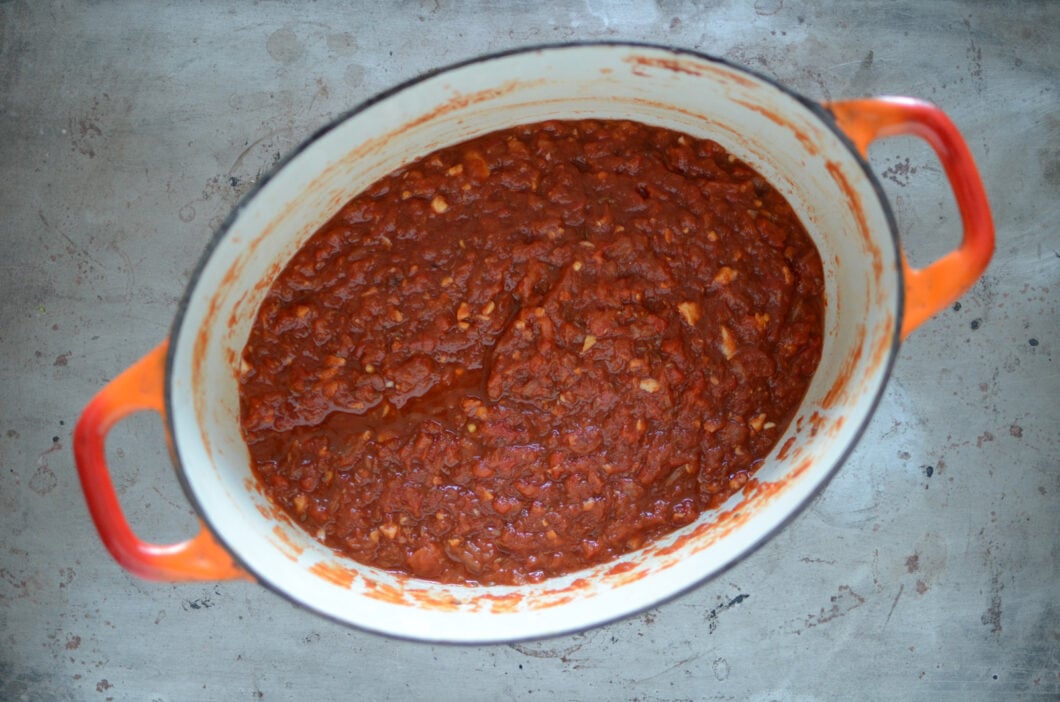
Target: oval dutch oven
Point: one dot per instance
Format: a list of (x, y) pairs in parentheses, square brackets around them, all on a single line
[(814, 154)]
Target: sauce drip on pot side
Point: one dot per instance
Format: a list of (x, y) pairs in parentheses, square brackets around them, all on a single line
[(532, 352)]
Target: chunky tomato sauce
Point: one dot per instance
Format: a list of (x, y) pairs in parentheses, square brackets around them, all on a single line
[(532, 352)]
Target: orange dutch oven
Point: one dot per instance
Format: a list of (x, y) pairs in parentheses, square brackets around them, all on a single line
[(814, 154)]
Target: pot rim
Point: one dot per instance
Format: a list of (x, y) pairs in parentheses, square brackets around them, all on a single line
[(818, 110)]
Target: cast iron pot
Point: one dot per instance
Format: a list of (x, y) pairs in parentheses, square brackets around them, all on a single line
[(814, 154)]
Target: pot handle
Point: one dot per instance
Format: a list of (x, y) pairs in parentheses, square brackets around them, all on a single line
[(139, 387), (929, 289)]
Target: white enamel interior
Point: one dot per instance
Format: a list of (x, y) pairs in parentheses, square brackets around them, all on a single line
[(786, 141)]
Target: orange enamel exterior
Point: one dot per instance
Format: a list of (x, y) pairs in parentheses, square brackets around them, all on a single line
[(140, 387), (928, 290)]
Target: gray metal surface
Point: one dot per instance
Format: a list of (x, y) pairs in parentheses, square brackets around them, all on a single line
[(927, 570)]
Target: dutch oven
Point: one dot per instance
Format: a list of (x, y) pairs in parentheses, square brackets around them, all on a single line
[(815, 154)]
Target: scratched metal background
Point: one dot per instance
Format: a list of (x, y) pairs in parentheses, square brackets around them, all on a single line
[(927, 570)]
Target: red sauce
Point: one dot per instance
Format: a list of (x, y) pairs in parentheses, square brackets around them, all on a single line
[(532, 352)]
